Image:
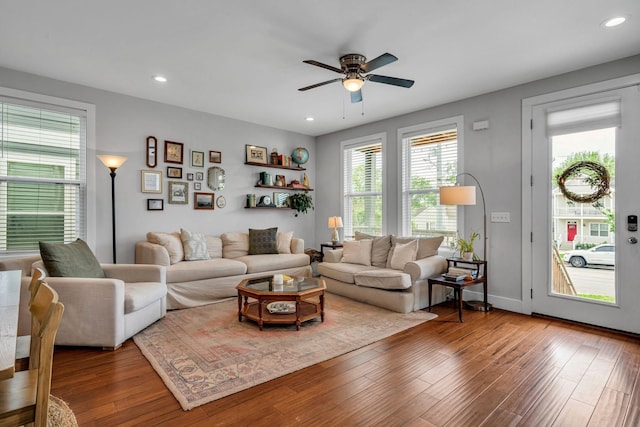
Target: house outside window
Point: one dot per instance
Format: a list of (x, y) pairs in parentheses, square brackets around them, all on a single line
[(599, 230), (42, 174), (362, 185), (429, 161)]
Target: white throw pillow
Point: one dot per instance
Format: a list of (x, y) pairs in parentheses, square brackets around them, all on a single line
[(284, 241), (357, 251), (171, 242), (403, 253), (195, 245)]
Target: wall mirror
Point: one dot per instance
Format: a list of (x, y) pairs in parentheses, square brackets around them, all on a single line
[(215, 178)]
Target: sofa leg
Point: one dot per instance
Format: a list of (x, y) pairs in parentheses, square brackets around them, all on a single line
[(112, 348)]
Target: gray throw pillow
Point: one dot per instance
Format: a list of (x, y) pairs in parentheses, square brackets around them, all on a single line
[(379, 249), (263, 241), (70, 260)]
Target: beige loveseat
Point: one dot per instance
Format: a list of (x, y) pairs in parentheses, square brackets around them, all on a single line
[(366, 270), (191, 283)]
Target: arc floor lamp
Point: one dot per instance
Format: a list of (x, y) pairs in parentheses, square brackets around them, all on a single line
[(113, 163)]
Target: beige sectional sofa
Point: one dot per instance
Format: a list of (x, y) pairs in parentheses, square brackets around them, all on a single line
[(386, 271), (206, 278)]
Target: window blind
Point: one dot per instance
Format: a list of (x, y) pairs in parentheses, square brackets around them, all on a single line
[(362, 188), (584, 118), (429, 161), (42, 175)]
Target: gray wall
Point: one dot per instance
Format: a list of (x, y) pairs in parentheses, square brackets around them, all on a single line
[(122, 125), (494, 156)]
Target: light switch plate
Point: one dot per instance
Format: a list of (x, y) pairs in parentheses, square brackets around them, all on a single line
[(500, 217)]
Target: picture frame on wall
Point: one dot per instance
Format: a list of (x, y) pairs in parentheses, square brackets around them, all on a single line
[(203, 200), (197, 186), (173, 152), (178, 192), (256, 154), (199, 176), (173, 172), (197, 159), (215, 157), (281, 200), (150, 181), (155, 204), (189, 177)]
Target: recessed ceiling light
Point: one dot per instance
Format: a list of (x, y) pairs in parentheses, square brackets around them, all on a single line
[(309, 119), (613, 22), (160, 79)]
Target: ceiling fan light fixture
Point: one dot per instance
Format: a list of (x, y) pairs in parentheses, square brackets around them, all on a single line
[(352, 83)]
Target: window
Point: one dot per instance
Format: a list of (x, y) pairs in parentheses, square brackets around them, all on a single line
[(42, 174), (599, 230), (429, 161), (362, 179)]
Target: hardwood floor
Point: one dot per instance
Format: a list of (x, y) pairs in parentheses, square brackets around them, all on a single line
[(496, 369)]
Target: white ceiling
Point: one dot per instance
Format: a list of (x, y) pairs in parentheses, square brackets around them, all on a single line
[(243, 59)]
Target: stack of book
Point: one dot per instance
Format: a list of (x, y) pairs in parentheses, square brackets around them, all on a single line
[(456, 273)]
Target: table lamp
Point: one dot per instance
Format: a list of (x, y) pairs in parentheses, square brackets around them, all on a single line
[(335, 222)]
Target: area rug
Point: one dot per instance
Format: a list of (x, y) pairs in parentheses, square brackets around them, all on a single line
[(205, 353)]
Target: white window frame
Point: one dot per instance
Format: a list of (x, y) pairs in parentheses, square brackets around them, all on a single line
[(358, 142), (405, 133), (44, 101)]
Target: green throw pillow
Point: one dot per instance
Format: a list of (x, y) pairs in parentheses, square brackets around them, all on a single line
[(263, 241), (70, 260)]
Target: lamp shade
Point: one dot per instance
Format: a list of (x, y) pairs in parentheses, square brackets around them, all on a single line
[(335, 222), (352, 84), (112, 162), (458, 195)]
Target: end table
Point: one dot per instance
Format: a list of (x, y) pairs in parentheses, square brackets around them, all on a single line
[(480, 266), (329, 245)]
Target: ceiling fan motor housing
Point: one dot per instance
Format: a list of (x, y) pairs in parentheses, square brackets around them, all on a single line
[(352, 62)]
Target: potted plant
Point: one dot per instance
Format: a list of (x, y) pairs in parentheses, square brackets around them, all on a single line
[(301, 202), (465, 246)]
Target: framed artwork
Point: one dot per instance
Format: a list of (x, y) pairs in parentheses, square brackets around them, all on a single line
[(203, 200), (173, 172), (215, 157), (155, 204), (152, 151), (281, 200), (281, 180), (256, 154), (178, 192), (151, 181), (197, 159), (221, 202), (197, 186), (199, 176), (173, 152), (189, 177)]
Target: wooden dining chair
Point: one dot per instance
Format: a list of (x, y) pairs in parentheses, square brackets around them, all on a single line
[(23, 343), (24, 399)]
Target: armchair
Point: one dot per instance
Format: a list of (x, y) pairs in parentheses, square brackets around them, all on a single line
[(99, 312)]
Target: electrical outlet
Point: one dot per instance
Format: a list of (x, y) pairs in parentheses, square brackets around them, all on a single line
[(500, 217)]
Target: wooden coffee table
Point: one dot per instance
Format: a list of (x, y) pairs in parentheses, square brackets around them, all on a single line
[(307, 293)]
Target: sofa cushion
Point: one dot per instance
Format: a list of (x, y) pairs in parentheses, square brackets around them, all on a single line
[(383, 279), (357, 251), (403, 253), (214, 246), (284, 241), (206, 269), (341, 271), (379, 248), (263, 241), (427, 246), (171, 242), (271, 262), (194, 244), (141, 294), (235, 244), (70, 260)]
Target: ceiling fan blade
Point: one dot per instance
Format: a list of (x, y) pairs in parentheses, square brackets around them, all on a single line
[(384, 59), (390, 80), (356, 96), (319, 84), (321, 65)]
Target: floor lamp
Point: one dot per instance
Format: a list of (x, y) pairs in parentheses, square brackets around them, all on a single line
[(113, 163), (462, 195)]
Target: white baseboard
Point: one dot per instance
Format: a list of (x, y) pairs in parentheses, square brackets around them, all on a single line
[(502, 303)]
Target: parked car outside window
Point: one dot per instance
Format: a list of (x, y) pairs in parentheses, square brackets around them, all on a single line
[(599, 255)]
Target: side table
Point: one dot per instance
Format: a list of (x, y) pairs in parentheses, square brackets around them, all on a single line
[(329, 245), (458, 286)]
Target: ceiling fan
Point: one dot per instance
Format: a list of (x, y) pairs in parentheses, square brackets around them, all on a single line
[(354, 66)]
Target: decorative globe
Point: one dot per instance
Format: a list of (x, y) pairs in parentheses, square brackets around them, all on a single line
[(300, 155)]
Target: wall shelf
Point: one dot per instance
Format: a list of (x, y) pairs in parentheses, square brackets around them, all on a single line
[(269, 165), (268, 207), (280, 187)]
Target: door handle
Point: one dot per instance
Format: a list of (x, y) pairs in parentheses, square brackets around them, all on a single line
[(632, 240)]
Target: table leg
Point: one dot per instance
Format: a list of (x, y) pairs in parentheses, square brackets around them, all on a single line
[(260, 309), (429, 287), (322, 307), (239, 308), (298, 314), (460, 304), (486, 302)]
